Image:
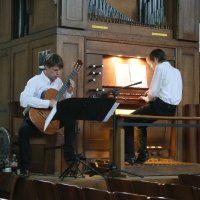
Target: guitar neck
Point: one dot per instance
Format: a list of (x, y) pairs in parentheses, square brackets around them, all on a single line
[(65, 85)]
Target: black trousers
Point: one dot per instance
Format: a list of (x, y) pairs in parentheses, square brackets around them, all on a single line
[(155, 107), (27, 130)]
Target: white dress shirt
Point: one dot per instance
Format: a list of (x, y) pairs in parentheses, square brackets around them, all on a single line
[(166, 84), (31, 96)]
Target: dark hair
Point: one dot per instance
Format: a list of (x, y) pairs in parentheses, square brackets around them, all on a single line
[(159, 54), (52, 60)]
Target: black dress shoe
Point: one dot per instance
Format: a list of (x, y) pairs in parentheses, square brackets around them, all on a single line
[(130, 159), (142, 157)]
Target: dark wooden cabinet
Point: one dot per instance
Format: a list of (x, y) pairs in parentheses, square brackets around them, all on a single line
[(188, 59), (50, 14), (188, 64), (186, 20), (43, 15), (5, 20), (5, 86), (73, 13)]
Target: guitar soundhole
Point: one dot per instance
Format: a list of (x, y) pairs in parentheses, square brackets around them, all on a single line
[(43, 115)]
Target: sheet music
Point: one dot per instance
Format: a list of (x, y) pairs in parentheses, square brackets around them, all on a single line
[(122, 73), (112, 110), (50, 116), (129, 73), (138, 73)]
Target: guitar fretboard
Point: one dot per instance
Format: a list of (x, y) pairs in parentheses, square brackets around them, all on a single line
[(65, 85)]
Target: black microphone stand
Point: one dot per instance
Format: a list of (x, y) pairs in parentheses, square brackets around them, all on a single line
[(113, 169)]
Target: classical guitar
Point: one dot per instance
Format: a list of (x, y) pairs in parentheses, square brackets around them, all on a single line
[(38, 115)]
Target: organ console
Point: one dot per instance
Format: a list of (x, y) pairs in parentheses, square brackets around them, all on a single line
[(117, 73), (92, 80), (95, 73), (95, 66), (127, 97)]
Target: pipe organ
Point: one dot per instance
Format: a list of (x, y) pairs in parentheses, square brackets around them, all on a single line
[(108, 36), (151, 13), (100, 10)]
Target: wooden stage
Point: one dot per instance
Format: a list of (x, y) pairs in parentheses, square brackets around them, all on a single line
[(162, 170), (164, 167)]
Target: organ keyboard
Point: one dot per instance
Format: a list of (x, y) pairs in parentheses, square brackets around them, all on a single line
[(127, 97)]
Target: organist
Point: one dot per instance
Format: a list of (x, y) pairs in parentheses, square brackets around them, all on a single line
[(162, 98)]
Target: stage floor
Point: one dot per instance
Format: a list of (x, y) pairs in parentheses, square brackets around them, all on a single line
[(162, 171), (164, 167)]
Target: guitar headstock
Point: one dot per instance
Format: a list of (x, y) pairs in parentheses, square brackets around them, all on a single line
[(78, 65)]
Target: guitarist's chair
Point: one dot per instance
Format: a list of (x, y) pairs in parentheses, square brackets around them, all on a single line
[(48, 142)]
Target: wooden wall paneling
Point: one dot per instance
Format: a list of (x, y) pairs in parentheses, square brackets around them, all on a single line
[(36, 46), (198, 135), (21, 69), (19, 76), (125, 49), (74, 13), (43, 15), (71, 48), (123, 29), (5, 87), (186, 20), (96, 134), (5, 20), (190, 135), (187, 63)]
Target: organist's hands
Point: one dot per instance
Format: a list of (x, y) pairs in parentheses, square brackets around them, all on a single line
[(145, 97), (146, 93)]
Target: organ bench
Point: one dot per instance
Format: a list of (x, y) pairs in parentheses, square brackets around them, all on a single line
[(173, 122)]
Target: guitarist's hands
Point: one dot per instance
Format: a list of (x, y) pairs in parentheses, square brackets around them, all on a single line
[(71, 86), (52, 102)]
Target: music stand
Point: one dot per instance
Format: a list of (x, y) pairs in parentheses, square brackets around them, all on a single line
[(113, 167), (91, 109)]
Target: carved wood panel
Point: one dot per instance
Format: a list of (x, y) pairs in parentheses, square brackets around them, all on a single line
[(43, 15), (74, 13), (187, 21), (19, 76), (5, 87), (71, 48), (5, 20), (187, 62)]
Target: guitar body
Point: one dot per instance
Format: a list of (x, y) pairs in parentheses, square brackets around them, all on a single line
[(39, 115)]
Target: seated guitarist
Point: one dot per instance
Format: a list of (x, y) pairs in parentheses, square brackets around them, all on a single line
[(31, 97)]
